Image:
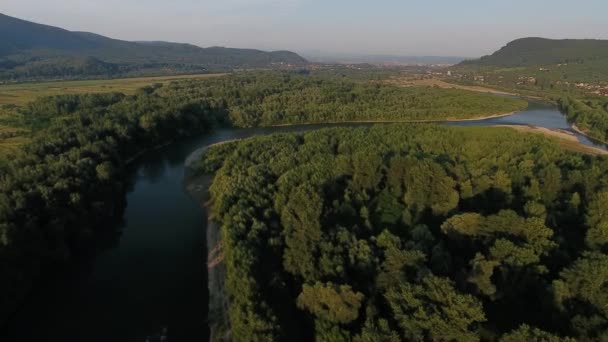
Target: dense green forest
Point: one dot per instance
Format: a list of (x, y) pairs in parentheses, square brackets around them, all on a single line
[(253, 99), (31, 51), (75, 68), (411, 232), (591, 116), (264, 99), (74, 168)]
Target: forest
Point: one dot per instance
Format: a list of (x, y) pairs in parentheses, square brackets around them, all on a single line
[(78, 68), (590, 116), (412, 232), (265, 99), (73, 168)]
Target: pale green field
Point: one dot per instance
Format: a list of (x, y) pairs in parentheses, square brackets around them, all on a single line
[(8, 145), (22, 93)]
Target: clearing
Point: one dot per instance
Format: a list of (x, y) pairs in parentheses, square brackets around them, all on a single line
[(433, 82)]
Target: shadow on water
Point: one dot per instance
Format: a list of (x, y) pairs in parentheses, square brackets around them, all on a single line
[(153, 275)]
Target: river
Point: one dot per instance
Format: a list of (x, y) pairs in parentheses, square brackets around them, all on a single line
[(154, 276)]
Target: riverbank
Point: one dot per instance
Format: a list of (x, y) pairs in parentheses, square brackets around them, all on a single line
[(564, 138), (197, 187), (486, 117), (585, 133)]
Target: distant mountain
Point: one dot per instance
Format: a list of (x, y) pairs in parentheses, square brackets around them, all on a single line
[(542, 51), (29, 50)]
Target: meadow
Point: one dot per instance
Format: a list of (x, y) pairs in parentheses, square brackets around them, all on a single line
[(22, 93), (10, 140)]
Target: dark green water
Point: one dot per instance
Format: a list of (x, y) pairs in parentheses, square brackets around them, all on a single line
[(154, 276)]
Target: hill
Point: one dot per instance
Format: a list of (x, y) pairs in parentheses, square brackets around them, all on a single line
[(34, 51), (573, 73), (542, 51)]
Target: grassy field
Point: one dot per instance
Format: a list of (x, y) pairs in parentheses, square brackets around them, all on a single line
[(22, 93), (11, 143), (412, 82)]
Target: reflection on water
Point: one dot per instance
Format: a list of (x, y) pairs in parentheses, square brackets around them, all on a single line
[(155, 275)]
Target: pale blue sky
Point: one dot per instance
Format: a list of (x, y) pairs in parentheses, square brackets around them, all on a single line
[(416, 27)]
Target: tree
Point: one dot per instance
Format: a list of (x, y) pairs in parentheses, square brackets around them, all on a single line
[(333, 303), (434, 310), (301, 217), (481, 274), (104, 171), (530, 334), (597, 220), (581, 293), (428, 186)]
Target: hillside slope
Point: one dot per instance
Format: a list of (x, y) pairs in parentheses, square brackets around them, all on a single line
[(542, 51), (29, 50)]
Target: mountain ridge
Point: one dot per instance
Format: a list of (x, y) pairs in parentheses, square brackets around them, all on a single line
[(30, 50)]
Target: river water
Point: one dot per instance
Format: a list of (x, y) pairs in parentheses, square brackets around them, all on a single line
[(154, 276)]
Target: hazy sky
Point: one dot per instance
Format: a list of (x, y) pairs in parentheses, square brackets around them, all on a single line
[(416, 27)]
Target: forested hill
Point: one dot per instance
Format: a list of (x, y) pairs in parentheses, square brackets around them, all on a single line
[(33, 51), (542, 51)]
